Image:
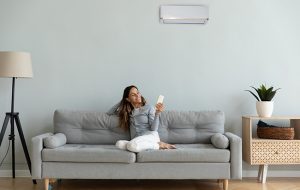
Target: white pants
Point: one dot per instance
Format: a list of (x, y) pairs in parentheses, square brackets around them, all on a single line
[(141, 143)]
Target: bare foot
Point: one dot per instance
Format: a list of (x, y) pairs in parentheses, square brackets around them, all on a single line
[(163, 145)]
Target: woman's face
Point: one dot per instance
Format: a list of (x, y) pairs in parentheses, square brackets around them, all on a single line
[(134, 96)]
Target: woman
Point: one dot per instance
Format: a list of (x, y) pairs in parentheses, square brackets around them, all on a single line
[(141, 119)]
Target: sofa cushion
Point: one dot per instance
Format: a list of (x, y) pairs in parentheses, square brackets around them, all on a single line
[(88, 127), (189, 127), (186, 153), (219, 140), (88, 153), (54, 141)]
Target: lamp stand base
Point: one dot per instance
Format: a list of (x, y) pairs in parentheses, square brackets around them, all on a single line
[(14, 117)]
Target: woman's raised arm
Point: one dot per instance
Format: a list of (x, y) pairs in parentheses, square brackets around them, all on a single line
[(114, 109)]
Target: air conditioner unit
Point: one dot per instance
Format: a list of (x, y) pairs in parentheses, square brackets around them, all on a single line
[(183, 14)]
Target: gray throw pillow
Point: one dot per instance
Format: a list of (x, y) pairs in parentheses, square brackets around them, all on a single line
[(54, 141), (220, 141)]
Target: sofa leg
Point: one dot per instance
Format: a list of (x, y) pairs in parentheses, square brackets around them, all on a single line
[(52, 181), (225, 184), (46, 183)]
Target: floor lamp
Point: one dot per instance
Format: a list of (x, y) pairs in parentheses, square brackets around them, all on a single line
[(15, 65)]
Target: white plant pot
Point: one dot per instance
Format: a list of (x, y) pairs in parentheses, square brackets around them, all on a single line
[(264, 108)]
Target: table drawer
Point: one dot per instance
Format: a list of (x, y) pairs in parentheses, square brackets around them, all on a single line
[(275, 152)]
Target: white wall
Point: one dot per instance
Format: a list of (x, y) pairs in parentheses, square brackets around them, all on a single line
[(85, 52)]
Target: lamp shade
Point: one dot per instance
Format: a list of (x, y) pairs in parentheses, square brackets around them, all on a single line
[(15, 64)]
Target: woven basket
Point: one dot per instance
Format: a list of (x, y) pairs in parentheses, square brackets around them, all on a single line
[(282, 133)]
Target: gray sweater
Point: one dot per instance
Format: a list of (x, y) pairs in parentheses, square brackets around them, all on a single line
[(142, 120)]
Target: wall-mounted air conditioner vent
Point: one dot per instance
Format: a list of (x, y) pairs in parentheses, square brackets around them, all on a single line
[(183, 14)]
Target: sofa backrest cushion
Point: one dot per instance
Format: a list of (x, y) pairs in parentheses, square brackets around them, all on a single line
[(83, 127), (190, 126), (181, 127)]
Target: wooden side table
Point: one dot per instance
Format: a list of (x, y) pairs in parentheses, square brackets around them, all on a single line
[(264, 152)]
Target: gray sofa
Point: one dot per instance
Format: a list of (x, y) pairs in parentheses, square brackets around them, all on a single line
[(89, 151)]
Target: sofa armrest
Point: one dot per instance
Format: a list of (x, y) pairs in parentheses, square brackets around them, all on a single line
[(235, 146), (36, 155)]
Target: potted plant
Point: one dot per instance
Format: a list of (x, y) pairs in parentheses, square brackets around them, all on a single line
[(264, 104)]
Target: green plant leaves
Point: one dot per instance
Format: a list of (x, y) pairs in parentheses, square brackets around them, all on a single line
[(264, 93), (253, 95)]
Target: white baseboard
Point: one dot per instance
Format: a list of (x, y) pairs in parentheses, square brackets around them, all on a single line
[(19, 173), (273, 173), (246, 173)]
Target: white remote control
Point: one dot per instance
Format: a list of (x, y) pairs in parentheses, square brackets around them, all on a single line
[(160, 99)]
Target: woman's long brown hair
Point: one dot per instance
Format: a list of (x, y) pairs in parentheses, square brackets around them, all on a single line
[(125, 108)]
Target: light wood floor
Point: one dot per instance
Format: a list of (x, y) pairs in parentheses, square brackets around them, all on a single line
[(245, 184)]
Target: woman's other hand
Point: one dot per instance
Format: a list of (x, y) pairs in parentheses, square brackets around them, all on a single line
[(163, 145), (159, 108)]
